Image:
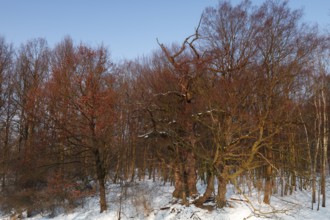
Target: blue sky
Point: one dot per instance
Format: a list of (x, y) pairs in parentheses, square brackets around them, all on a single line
[(129, 28)]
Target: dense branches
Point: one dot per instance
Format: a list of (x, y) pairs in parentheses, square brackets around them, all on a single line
[(244, 99)]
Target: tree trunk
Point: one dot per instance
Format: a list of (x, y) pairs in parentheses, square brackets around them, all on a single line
[(282, 182), (103, 202), (325, 146), (5, 154), (208, 191), (317, 105), (222, 190), (100, 172), (191, 176), (133, 148), (268, 179), (178, 181), (268, 185)]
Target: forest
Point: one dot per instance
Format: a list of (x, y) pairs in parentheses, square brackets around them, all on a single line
[(243, 100)]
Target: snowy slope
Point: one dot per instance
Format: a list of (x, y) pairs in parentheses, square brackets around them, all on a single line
[(152, 201)]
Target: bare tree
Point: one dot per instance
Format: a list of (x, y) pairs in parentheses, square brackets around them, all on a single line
[(82, 98), (7, 110)]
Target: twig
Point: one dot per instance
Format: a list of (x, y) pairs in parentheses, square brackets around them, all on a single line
[(194, 214)]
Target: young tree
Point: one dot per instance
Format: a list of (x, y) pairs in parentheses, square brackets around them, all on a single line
[(30, 73), (82, 106), (7, 110)]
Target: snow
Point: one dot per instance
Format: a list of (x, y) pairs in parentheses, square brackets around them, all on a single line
[(153, 201)]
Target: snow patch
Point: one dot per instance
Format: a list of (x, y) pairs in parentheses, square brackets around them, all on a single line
[(153, 201)]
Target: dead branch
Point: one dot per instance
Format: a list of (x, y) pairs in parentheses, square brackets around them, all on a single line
[(189, 40)]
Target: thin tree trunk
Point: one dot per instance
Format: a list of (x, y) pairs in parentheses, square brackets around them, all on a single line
[(100, 172), (325, 145), (133, 161), (268, 180), (317, 104), (5, 155)]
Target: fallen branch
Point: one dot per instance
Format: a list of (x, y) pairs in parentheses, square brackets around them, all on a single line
[(258, 212), (165, 208), (241, 200)]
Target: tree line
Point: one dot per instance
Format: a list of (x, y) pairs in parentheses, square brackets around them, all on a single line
[(243, 100)]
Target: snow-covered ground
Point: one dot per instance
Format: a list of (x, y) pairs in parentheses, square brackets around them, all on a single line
[(152, 201)]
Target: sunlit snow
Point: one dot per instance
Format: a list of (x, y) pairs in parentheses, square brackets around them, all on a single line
[(152, 200)]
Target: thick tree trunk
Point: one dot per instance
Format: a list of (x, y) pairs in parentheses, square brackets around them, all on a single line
[(185, 177), (178, 181), (191, 176), (222, 190), (268, 179), (208, 192)]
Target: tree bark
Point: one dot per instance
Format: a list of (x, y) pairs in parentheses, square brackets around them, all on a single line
[(208, 192), (325, 146), (5, 154), (178, 181), (268, 185), (268, 179), (222, 190), (191, 176), (100, 172)]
